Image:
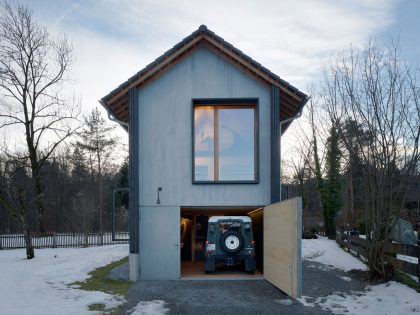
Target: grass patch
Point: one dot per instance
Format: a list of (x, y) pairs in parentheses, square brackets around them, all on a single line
[(99, 307), (361, 275), (99, 281), (407, 280), (96, 307)]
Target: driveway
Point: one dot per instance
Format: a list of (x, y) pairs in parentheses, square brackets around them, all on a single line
[(242, 296)]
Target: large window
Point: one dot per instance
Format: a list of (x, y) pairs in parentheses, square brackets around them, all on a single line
[(225, 141)]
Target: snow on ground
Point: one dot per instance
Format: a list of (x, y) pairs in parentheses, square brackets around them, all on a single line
[(390, 298), (410, 259), (41, 285), (155, 307), (328, 252)]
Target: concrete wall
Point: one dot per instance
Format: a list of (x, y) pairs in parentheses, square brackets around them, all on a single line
[(165, 133)]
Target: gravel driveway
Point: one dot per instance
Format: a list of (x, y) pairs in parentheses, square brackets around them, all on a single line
[(242, 296)]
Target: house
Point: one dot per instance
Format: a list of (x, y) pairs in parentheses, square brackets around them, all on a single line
[(204, 123)]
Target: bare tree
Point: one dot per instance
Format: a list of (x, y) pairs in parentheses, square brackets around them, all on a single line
[(313, 146), (375, 90), (33, 68)]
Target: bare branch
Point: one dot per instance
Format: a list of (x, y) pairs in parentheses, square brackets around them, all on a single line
[(33, 67)]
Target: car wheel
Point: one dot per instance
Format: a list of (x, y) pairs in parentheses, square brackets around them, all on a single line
[(231, 242)]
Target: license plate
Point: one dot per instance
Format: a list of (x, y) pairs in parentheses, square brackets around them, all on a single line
[(211, 246)]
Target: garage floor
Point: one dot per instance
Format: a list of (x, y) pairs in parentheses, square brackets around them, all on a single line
[(195, 270)]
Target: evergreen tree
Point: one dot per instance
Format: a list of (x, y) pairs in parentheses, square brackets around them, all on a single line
[(123, 183), (97, 141), (332, 188)]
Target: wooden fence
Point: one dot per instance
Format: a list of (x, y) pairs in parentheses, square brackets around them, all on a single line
[(54, 240), (360, 247)]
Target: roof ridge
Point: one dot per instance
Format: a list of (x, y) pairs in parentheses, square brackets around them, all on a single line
[(190, 42), (203, 29)]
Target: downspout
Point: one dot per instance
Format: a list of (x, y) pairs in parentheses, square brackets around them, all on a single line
[(111, 116), (290, 119)]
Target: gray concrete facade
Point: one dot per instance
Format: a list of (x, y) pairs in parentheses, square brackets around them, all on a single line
[(156, 106), (165, 138), (159, 243), (165, 133)]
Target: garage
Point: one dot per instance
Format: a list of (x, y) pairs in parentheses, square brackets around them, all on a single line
[(277, 235), (193, 236)]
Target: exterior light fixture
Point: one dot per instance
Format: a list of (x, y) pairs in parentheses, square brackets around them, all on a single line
[(158, 198)]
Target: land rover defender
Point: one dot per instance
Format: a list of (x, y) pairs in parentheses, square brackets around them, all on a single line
[(229, 241)]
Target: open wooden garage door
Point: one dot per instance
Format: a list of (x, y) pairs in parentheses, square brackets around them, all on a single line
[(282, 245)]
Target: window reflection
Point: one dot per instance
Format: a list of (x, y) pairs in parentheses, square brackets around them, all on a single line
[(224, 143), (236, 144), (204, 143)]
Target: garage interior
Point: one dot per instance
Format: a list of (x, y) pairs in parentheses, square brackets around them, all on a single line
[(194, 222)]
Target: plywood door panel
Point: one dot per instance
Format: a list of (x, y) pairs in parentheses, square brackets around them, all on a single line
[(282, 246)]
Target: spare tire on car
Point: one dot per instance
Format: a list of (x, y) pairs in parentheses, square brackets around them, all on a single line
[(231, 242)]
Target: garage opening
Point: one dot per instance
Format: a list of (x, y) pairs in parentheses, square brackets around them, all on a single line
[(193, 230)]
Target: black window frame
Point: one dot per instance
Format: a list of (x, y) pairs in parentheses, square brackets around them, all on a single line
[(229, 102)]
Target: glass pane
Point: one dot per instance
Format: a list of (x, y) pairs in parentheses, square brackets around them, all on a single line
[(229, 226), (204, 143), (236, 144)]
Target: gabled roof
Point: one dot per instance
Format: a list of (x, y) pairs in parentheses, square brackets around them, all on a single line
[(291, 99)]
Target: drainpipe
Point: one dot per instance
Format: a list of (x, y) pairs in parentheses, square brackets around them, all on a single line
[(111, 116), (282, 122)]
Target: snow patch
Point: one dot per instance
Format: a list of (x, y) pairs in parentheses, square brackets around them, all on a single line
[(328, 252), (410, 259), (391, 298), (41, 285), (155, 307), (286, 302)]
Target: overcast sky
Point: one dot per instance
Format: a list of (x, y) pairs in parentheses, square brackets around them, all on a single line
[(115, 39)]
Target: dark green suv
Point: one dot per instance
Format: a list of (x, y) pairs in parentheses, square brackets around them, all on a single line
[(229, 241)]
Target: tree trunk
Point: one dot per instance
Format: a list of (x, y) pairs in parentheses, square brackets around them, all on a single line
[(350, 216), (28, 240), (100, 196), (36, 177), (39, 204)]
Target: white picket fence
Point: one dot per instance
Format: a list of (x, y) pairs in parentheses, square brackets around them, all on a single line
[(54, 240)]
